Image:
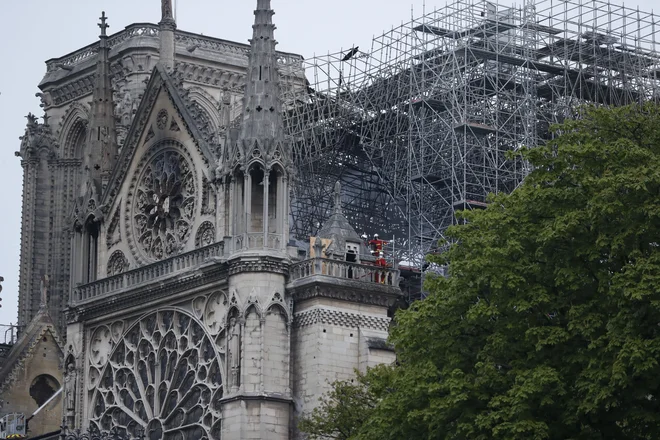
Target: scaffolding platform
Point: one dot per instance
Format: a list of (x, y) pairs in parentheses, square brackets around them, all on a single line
[(424, 120), (474, 128)]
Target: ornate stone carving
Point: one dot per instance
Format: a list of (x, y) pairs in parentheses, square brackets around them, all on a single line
[(37, 137), (136, 293), (166, 9), (113, 235), (215, 313), (150, 134), (73, 90), (205, 235), (100, 345), (117, 263), (278, 299), (342, 319), (234, 298), (70, 378), (161, 119), (164, 205), (198, 306), (133, 137), (125, 108), (117, 330), (208, 197), (234, 354), (71, 128), (377, 295), (164, 377), (264, 264), (46, 99)]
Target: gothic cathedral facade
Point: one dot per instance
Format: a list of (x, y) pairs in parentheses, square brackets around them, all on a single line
[(156, 210)]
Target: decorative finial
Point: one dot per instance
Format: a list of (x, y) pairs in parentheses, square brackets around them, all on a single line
[(167, 26), (44, 286), (103, 25), (338, 197), (166, 10), (32, 120)]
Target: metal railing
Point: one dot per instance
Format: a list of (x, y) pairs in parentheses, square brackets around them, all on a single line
[(345, 270), (9, 333), (86, 292)]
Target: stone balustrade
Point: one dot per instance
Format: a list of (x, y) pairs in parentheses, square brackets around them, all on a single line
[(255, 240), (146, 274), (344, 269), (289, 62)]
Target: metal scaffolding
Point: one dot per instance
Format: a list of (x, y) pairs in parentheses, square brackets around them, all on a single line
[(421, 125)]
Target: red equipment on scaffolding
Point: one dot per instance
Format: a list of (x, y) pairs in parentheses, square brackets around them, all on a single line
[(377, 246)]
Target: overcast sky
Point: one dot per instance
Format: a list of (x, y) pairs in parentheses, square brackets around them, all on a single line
[(33, 31)]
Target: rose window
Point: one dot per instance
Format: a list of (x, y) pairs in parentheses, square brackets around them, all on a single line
[(164, 206), (163, 378)]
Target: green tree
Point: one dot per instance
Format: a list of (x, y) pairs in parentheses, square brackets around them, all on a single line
[(341, 412), (548, 326)]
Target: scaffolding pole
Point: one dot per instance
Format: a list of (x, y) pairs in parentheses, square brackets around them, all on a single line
[(421, 125)]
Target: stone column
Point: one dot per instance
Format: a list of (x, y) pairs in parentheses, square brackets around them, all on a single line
[(247, 208), (265, 207)]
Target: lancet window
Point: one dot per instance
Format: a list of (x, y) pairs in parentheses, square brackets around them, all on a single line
[(90, 251)]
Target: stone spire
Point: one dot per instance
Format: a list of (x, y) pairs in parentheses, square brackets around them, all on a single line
[(262, 119), (338, 229), (338, 198), (167, 28), (102, 140)]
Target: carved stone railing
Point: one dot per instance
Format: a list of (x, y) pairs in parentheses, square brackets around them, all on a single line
[(255, 240), (131, 31), (139, 30), (344, 269), (145, 274)]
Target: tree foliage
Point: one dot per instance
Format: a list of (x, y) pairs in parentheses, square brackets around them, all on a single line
[(548, 326), (341, 411)]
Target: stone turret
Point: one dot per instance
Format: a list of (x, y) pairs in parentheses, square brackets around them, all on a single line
[(258, 381), (259, 163), (167, 27), (262, 118), (342, 301), (101, 154), (342, 242), (99, 158)]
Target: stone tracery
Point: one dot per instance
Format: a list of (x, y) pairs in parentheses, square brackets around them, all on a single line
[(117, 263), (164, 206), (163, 377), (205, 235), (161, 119)]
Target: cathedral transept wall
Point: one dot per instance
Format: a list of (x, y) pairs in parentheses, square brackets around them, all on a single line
[(158, 195)]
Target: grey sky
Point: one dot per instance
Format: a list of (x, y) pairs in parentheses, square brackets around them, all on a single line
[(33, 31)]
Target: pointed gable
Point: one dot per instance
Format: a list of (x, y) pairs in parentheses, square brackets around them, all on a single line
[(32, 373), (160, 83), (339, 231), (27, 346), (160, 196)]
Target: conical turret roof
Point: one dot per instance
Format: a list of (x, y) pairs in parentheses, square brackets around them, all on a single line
[(337, 226)]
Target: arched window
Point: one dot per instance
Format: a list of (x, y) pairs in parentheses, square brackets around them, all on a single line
[(90, 251), (257, 199), (273, 179), (238, 199)]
